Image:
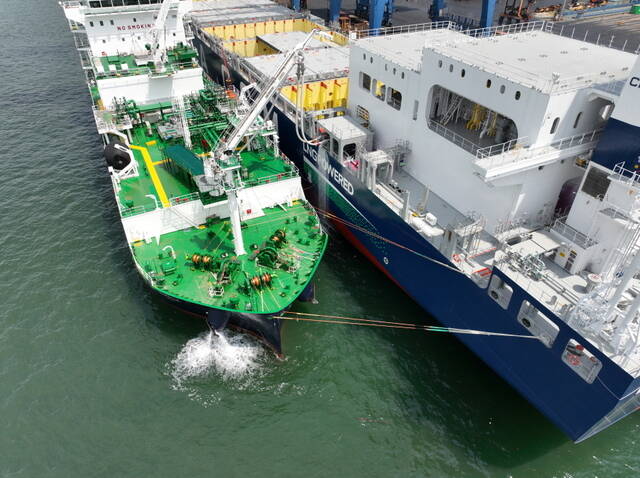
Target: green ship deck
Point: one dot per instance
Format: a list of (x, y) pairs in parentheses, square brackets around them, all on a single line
[(196, 262), (109, 66), (180, 278)]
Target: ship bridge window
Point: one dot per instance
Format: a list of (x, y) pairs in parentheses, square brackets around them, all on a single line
[(111, 21), (394, 98), (554, 126), (517, 95), (379, 89), (101, 23), (334, 146), (134, 20), (90, 24), (488, 83), (365, 81), (596, 183)]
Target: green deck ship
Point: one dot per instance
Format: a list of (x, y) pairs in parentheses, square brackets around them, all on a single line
[(227, 237)]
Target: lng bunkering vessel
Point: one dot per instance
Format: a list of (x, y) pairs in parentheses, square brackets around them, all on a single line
[(213, 213), (491, 174)]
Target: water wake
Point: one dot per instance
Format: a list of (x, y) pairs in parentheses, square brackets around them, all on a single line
[(231, 356)]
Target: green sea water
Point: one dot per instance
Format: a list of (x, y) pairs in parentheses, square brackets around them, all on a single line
[(98, 378)]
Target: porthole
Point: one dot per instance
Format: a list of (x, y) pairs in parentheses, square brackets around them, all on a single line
[(386, 67), (439, 63), (462, 73), (394, 71), (502, 89), (554, 125), (364, 56), (577, 121), (517, 95), (402, 75), (450, 68), (370, 59), (488, 83)]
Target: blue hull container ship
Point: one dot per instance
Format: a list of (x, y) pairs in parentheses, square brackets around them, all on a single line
[(491, 174)]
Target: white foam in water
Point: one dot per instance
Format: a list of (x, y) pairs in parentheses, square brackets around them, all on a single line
[(231, 356)]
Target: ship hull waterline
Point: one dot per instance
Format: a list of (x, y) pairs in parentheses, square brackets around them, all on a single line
[(536, 372)]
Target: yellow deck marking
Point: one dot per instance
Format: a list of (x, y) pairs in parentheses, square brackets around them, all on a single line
[(150, 143), (160, 162), (154, 175)]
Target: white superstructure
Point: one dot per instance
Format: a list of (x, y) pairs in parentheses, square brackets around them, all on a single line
[(500, 124), (117, 27), (125, 47)]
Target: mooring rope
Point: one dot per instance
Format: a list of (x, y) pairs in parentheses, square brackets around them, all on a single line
[(342, 320), (385, 239)]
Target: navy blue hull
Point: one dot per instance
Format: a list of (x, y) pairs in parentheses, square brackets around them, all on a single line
[(578, 408)]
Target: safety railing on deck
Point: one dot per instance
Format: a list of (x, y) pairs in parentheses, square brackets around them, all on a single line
[(395, 30), (512, 153), (176, 200), (112, 3), (135, 210), (626, 175), (455, 138), (575, 236), (139, 70), (500, 148)]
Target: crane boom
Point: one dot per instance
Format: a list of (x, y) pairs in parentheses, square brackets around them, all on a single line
[(157, 53), (271, 88), (218, 167)]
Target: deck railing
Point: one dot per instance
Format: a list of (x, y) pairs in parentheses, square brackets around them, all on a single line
[(512, 153), (626, 175), (500, 148), (418, 27), (140, 70), (174, 201), (455, 138), (575, 236)]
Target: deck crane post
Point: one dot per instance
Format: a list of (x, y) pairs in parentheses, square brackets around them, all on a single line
[(156, 51), (221, 166)]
